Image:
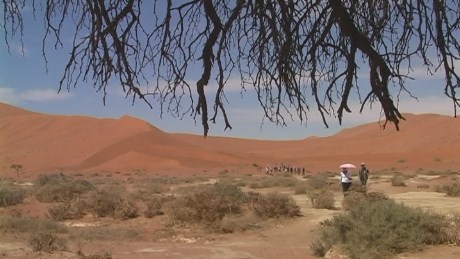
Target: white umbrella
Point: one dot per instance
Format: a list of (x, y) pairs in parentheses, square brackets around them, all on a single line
[(348, 165)]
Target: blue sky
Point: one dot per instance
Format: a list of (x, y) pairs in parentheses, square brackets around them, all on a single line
[(26, 82)]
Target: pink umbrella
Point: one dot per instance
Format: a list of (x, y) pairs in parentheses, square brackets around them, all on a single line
[(348, 166)]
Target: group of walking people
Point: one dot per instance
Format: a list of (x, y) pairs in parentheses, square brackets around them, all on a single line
[(346, 180)]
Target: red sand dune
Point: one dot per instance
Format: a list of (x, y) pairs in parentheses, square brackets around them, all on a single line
[(47, 143)]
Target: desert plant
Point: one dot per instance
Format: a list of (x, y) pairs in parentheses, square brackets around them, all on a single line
[(46, 242), (10, 196), (275, 205), (228, 189), (67, 210), (318, 181), (203, 207), (155, 205), (60, 188), (104, 204), (301, 188), (382, 229), (12, 224), (423, 186), (19, 169), (321, 199), (398, 180), (354, 198), (452, 190)]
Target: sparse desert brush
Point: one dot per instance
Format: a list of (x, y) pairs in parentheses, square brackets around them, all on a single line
[(155, 205), (274, 205), (353, 198), (149, 191), (452, 190), (301, 188), (318, 181), (47, 242), (398, 180), (60, 188), (10, 195), (204, 207), (238, 223), (9, 224), (67, 210), (99, 255), (382, 229), (321, 199), (107, 204), (103, 233), (423, 186), (229, 189)]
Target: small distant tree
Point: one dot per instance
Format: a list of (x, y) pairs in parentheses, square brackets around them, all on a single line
[(18, 168)]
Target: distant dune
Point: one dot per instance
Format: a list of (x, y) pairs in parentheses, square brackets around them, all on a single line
[(48, 143)]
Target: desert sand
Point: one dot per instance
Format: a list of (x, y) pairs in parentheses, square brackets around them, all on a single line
[(46, 143), (50, 143)]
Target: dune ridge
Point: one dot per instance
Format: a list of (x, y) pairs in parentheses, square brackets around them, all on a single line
[(46, 143)]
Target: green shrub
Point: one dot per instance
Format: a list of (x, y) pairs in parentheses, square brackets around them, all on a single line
[(46, 242), (275, 205), (321, 199), (383, 228), (10, 196)]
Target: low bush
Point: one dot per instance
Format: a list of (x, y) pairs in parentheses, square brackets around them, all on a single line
[(47, 242), (60, 188), (398, 180), (11, 224), (227, 189), (381, 229), (67, 210), (452, 190), (423, 186), (155, 205), (321, 199), (301, 188), (275, 205), (204, 207), (353, 198), (107, 204), (10, 196), (318, 181)]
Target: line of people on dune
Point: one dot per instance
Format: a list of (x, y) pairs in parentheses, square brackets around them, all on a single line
[(346, 180), (285, 169)]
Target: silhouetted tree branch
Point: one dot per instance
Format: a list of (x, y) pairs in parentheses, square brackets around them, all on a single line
[(294, 54)]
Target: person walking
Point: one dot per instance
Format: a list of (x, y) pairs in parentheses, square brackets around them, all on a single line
[(345, 180), (363, 174)]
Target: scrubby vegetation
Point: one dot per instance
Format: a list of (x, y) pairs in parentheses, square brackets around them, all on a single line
[(452, 190), (47, 242), (382, 228), (10, 195), (61, 188)]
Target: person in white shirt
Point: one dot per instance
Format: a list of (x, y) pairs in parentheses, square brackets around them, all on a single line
[(345, 180)]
